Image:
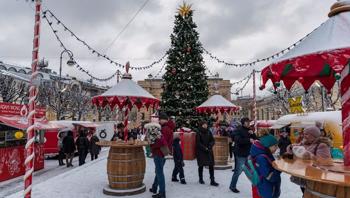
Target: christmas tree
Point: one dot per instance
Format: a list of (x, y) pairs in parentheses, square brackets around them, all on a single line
[(185, 81)]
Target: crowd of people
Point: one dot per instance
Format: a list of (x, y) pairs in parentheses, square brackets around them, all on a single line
[(67, 147), (259, 148), (245, 145)]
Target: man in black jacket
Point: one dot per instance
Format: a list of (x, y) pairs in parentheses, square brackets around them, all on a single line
[(243, 139)]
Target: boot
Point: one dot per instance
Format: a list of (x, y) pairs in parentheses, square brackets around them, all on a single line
[(159, 195), (213, 183), (154, 191), (200, 174), (174, 179), (183, 181)]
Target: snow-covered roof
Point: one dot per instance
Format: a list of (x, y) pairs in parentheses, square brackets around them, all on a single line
[(332, 34), (127, 87), (13, 75), (311, 117), (217, 101)]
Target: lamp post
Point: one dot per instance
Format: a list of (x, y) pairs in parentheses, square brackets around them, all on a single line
[(70, 62)]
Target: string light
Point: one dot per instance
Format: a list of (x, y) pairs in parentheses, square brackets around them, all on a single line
[(77, 65), (252, 63), (94, 51)]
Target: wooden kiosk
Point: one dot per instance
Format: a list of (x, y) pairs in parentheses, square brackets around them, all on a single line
[(126, 160), (322, 181), (323, 56)]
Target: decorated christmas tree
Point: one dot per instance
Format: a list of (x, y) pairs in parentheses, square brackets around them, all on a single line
[(185, 81)]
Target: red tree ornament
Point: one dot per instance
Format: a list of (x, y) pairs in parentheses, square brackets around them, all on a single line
[(173, 71)]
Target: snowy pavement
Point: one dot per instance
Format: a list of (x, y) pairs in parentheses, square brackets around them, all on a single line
[(51, 170), (88, 181)]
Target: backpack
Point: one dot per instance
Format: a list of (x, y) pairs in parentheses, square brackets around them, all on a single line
[(249, 169)]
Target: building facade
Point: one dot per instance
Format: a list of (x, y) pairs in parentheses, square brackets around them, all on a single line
[(155, 87), (48, 77)]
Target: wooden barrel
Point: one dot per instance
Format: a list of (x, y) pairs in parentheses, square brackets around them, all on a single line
[(221, 150), (316, 189), (126, 167)]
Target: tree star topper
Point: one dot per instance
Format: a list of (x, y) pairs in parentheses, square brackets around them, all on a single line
[(184, 9)]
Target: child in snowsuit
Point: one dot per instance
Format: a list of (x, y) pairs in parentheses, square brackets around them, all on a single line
[(261, 152), (179, 162)]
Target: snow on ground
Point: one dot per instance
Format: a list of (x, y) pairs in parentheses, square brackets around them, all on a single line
[(88, 181), (51, 169)]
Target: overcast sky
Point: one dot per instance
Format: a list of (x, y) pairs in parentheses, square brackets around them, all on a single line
[(234, 30)]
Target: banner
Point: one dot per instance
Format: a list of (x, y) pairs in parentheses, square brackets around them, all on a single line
[(11, 109)]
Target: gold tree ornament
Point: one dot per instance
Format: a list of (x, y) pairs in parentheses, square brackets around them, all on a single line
[(184, 9)]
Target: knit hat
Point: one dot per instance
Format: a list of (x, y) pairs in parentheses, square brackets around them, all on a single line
[(163, 116), (268, 140), (313, 131)]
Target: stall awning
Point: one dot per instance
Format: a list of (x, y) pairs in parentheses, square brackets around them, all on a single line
[(279, 125), (87, 125), (22, 122)]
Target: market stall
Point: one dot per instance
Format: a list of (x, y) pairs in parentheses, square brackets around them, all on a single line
[(322, 56), (13, 125), (217, 104), (126, 159)]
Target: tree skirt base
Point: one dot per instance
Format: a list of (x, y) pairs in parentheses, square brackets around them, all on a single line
[(127, 192)]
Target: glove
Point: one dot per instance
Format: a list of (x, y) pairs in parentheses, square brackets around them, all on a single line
[(183, 164)]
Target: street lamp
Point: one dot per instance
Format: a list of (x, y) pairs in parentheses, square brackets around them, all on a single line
[(70, 62)]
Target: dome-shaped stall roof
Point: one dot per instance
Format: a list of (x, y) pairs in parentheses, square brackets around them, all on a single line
[(216, 103), (127, 87), (320, 56), (126, 93)]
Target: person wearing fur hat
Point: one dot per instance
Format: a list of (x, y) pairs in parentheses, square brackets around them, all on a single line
[(157, 141), (313, 146), (261, 153), (178, 161)]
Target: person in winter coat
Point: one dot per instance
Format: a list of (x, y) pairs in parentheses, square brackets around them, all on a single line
[(157, 141), (243, 139), (204, 152), (261, 153), (283, 142), (69, 148), (179, 162), (60, 149), (168, 127), (94, 148), (314, 146), (82, 143)]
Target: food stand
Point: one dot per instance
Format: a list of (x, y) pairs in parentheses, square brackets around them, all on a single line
[(13, 123), (126, 160), (323, 56), (218, 104)]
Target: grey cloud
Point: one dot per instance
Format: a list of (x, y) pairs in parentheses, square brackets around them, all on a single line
[(98, 22)]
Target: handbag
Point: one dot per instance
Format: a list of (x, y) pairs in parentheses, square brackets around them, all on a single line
[(165, 150)]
